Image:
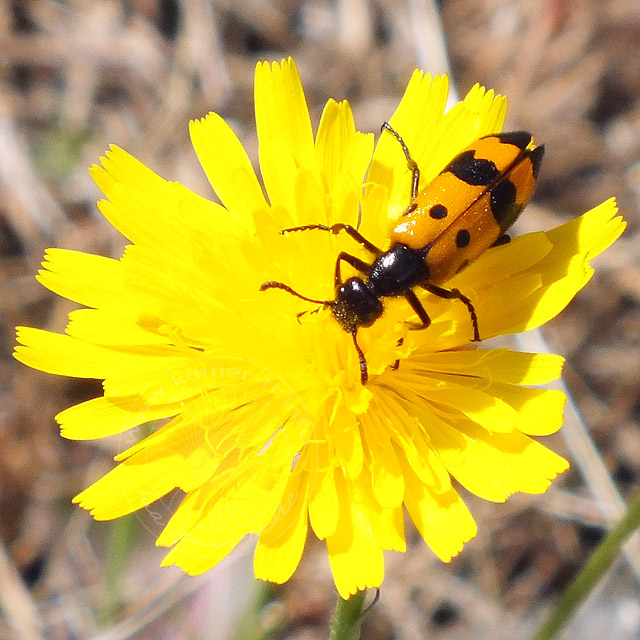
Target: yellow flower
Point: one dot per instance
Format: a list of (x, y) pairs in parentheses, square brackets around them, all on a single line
[(266, 427)]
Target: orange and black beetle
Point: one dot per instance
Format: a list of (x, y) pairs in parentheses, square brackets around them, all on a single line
[(466, 209)]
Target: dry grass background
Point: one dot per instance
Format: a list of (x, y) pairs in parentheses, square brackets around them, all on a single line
[(78, 75)]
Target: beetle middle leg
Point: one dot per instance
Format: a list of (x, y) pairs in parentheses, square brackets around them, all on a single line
[(416, 305)]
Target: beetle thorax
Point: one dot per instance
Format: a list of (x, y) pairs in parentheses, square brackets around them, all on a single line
[(398, 270)]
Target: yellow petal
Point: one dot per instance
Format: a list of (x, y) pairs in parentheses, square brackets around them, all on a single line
[(507, 306), (499, 264), (284, 129), (202, 549), (411, 438), (227, 166), (521, 303), (500, 365), (175, 376), (241, 499), (386, 523), (343, 156), (66, 356), (480, 112), (150, 211), (103, 417), (492, 465), (138, 481), (281, 543), (455, 395), (113, 327), (93, 281), (589, 234), (356, 560), (442, 519), (539, 411), (242, 495), (347, 442), (323, 501), (309, 198), (386, 475)]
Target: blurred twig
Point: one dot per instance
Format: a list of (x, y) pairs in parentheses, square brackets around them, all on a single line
[(17, 604)]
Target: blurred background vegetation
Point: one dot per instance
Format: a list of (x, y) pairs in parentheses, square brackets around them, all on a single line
[(78, 75)]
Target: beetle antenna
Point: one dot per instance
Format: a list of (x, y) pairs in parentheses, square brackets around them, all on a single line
[(272, 284)]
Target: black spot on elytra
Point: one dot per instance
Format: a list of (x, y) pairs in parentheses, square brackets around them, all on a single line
[(503, 200), (474, 171), (463, 237), (438, 212), (503, 239), (520, 139)]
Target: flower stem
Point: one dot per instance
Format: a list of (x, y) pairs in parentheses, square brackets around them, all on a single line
[(347, 618), (121, 534), (595, 567)]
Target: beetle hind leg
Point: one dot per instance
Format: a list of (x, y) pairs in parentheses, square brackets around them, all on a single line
[(454, 294)]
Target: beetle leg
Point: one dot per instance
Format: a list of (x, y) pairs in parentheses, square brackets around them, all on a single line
[(364, 373), (357, 236), (416, 305), (306, 227), (356, 263), (454, 294), (336, 229), (411, 163), (304, 313)]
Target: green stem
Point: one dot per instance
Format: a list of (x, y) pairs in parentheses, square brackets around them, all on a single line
[(595, 567), (121, 534), (347, 618), (257, 623)]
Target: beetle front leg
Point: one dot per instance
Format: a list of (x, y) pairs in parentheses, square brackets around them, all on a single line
[(352, 232), (356, 263), (364, 372)]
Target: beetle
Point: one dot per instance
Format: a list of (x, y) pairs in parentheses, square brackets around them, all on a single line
[(466, 209)]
